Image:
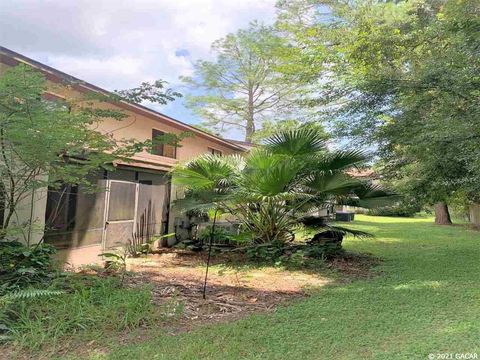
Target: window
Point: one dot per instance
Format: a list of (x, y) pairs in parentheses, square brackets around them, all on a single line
[(61, 207), (214, 151), (161, 149)]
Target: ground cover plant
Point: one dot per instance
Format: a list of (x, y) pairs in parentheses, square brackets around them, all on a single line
[(84, 308), (22, 266)]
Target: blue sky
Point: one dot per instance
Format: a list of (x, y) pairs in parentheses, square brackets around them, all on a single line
[(117, 44)]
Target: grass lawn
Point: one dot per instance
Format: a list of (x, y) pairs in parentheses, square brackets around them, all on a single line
[(426, 300)]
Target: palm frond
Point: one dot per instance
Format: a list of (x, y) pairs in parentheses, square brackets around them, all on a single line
[(339, 160), (370, 195), (333, 183), (297, 142), (29, 294), (271, 180), (202, 201), (205, 172), (347, 231)]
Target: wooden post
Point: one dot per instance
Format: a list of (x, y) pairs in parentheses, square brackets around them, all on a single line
[(475, 214)]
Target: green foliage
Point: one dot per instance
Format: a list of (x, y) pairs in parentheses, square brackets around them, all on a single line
[(28, 294), (44, 143), (47, 142), (89, 308), (138, 245), (116, 261), (19, 295), (326, 244), (152, 92), (398, 210), (22, 266), (302, 259), (172, 139), (401, 76), (273, 187), (220, 235), (242, 88), (265, 254), (295, 257), (269, 128)]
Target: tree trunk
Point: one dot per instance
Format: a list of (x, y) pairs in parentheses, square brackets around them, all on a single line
[(250, 130), (442, 215), (475, 214), (2, 209), (250, 127)]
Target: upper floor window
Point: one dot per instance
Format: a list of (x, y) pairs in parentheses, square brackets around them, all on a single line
[(214, 151), (159, 147)]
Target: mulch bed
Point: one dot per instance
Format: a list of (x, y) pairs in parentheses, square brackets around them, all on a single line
[(232, 290)]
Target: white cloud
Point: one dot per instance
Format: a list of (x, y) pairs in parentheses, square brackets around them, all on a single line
[(116, 43)]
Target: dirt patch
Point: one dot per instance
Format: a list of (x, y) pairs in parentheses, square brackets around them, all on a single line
[(232, 290), (353, 266)]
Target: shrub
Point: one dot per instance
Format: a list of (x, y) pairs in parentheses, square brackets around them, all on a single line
[(220, 236), (325, 244), (270, 253), (400, 210), (90, 308), (22, 266), (274, 186)]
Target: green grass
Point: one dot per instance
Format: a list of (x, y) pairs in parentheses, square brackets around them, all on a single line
[(426, 299), (91, 308)]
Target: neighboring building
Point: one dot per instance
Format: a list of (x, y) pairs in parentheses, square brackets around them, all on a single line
[(244, 144), (139, 193)]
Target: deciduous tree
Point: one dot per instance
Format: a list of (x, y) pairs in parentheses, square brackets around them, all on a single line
[(401, 76)]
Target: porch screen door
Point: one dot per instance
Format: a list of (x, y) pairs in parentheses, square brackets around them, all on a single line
[(121, 205)]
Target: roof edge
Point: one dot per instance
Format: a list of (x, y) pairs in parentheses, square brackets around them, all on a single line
[(91, 87)]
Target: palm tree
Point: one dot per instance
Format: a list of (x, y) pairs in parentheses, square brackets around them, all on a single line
[(274, 187)]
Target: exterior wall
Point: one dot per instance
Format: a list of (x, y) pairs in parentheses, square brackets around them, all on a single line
[(139, 126), (80, 256), (28, 221)]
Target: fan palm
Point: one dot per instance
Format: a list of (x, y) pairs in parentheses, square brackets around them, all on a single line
[(275, 186)]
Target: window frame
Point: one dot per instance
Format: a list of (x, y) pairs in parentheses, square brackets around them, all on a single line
[(155, 133), (214, 151)]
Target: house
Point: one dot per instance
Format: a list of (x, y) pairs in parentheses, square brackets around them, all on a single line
[(138, 194), (244, 144)]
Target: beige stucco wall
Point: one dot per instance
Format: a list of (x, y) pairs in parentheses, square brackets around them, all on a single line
[(139, 127), (28, 222)]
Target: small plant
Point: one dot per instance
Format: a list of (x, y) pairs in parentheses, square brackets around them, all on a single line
[(117, 262), (139, 245), (220, 236), (172, 308), (268, 253), (28, 294), (22, 266)]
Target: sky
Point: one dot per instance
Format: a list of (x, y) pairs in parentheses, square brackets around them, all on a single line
[(117, 44)]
